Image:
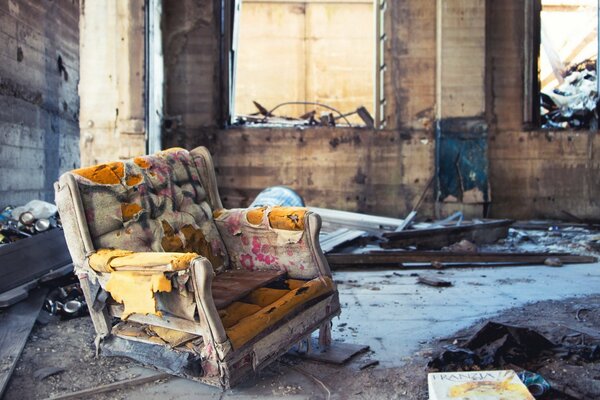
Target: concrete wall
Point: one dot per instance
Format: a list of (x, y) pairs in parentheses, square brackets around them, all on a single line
[(112, 83), (39, 106), (531, 173), (375, 171), (534, 173)]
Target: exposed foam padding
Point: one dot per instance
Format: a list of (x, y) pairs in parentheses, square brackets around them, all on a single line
[(265, 296), (135, 290), (109, 260), (236, 311), (285, 218), (250, 326)]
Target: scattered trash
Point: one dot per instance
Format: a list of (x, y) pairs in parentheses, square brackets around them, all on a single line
[(477, 385), (369, 364), (45, 372), (331, 117), (553, 262), (536, 384), (66, 301), (463, 246), (21, 222), (431, 281), (498, 345), (278, 196), (574, 103)]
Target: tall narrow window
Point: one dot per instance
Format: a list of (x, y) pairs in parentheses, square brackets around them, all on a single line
[(307, 62), (568, 64)]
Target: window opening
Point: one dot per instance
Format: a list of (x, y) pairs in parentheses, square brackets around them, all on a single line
[(307, 63), (567, 70)]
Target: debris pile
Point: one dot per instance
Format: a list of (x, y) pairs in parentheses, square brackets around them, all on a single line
[(574, 103), (331, 117), (358, 240), (66, 301), (499, 345), (35, 217)]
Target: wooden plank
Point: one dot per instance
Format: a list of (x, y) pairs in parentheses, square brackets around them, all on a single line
[(398, 258), (334, 239), (31, 258), (233, 285), (436, 238), (337, 353), (15, 325), (432, 281), (125, 383)]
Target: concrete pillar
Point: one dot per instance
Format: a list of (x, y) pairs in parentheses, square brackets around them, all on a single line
[(461, 129), (111, 86)]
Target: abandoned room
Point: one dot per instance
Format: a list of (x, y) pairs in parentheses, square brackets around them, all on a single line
[(299, 199)]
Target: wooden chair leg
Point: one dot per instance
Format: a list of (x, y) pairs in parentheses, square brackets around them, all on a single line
[(325, 335)]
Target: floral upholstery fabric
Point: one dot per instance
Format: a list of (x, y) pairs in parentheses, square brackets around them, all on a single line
[(151, 203), (260, 247)]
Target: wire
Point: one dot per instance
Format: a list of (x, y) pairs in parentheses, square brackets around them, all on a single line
[(313, 104)]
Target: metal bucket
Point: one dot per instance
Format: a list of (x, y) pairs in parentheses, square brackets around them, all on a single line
[(278, 196)]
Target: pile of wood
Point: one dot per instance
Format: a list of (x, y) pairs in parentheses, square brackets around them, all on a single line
[(366, 241)]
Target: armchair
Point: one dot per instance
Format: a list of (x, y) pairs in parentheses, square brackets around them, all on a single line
[(177, 282)]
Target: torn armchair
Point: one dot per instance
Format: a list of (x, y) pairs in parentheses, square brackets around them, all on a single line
[(177, 282)]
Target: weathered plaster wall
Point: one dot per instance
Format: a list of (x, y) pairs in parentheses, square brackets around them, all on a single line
[(382, 172), (191, 51), (112, 119), (39, 106), (531, 174), (534, 174)]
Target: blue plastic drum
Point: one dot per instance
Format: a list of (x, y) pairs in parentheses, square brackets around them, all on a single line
[(278, 196)]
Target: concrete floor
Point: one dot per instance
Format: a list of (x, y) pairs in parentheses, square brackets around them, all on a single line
[(394, 315)]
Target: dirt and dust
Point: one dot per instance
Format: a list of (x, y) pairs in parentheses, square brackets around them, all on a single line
[(69, 345)]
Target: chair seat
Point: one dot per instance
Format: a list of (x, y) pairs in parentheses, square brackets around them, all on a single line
[(264, 307), (232, 285)]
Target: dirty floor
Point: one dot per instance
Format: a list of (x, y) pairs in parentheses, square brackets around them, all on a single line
[(386, 309)]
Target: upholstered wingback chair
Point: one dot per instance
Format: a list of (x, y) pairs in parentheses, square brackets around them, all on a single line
[(176, 282)]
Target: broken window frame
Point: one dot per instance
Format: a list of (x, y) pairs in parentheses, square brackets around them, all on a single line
[(154, 75), (532, 119), (230, 13)]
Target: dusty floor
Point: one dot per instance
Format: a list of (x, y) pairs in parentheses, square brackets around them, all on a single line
[(401, 320), (68, 344)]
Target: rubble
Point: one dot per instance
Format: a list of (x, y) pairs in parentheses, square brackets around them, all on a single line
[(331, 118), (574, 103), (21, 222)]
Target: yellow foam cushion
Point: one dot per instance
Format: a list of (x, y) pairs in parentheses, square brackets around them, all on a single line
[(248, 327), (135, 290), (103, 174), (236, 311), (108, 260), (264, 296), (286, 218)]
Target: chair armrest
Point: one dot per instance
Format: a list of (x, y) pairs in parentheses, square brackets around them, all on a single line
[(146, 271), (283, 238), (202, 276), (111, 260)]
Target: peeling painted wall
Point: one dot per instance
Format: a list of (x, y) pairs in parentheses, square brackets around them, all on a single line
[(39, 105), (112, 83), (533, 173), (530, 174), (382, 172)]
